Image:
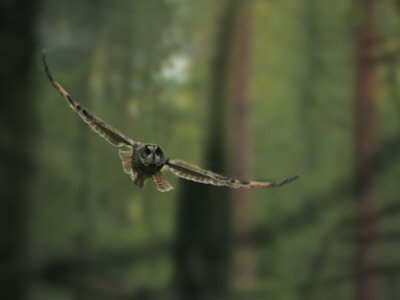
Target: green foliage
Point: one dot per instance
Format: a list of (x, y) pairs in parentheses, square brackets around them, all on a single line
[(143, 67)]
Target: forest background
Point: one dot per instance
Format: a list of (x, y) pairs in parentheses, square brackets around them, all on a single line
[(253, 89)]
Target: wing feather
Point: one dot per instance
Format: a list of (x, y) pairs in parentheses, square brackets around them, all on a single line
[(126, 158), (161, 183), (204, 176), (111, 134)]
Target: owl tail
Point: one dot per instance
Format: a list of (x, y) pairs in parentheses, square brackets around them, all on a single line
[(161, 183)]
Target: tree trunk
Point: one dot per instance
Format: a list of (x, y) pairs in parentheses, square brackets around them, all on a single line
[(17, 119), (241, 142), (204, 226), (366, 146)]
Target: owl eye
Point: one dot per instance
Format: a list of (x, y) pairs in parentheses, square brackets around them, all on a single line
[(158, 152), (147, 151)]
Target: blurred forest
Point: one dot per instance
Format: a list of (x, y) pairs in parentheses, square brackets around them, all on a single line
[(254, 89)]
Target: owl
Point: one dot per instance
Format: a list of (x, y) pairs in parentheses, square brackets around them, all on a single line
[(145, 161)]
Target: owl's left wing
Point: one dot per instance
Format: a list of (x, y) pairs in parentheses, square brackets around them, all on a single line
[(204, 176), (112, 135)]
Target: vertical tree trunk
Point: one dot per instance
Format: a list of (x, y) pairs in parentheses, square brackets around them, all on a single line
[(366, 145), (204, 229), (241, 140), (17, 119)]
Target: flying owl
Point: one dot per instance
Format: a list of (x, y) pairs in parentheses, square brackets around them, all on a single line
[(145, 161)]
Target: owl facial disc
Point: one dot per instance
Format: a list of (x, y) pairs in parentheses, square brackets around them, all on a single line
[(151, 154)]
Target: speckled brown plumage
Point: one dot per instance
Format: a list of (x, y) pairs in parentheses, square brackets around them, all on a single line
[(145, 161)]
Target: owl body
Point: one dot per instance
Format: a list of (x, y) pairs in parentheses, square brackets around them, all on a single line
[(145, 161)]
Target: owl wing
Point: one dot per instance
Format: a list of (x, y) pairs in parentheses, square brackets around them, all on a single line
[(162, 184), (126, 158), (204, 176), (111, 134)]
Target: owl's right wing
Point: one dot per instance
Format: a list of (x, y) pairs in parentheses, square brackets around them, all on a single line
[(207, 177), (112, 135)]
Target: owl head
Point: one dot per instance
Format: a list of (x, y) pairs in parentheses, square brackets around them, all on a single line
[(150, 154)]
